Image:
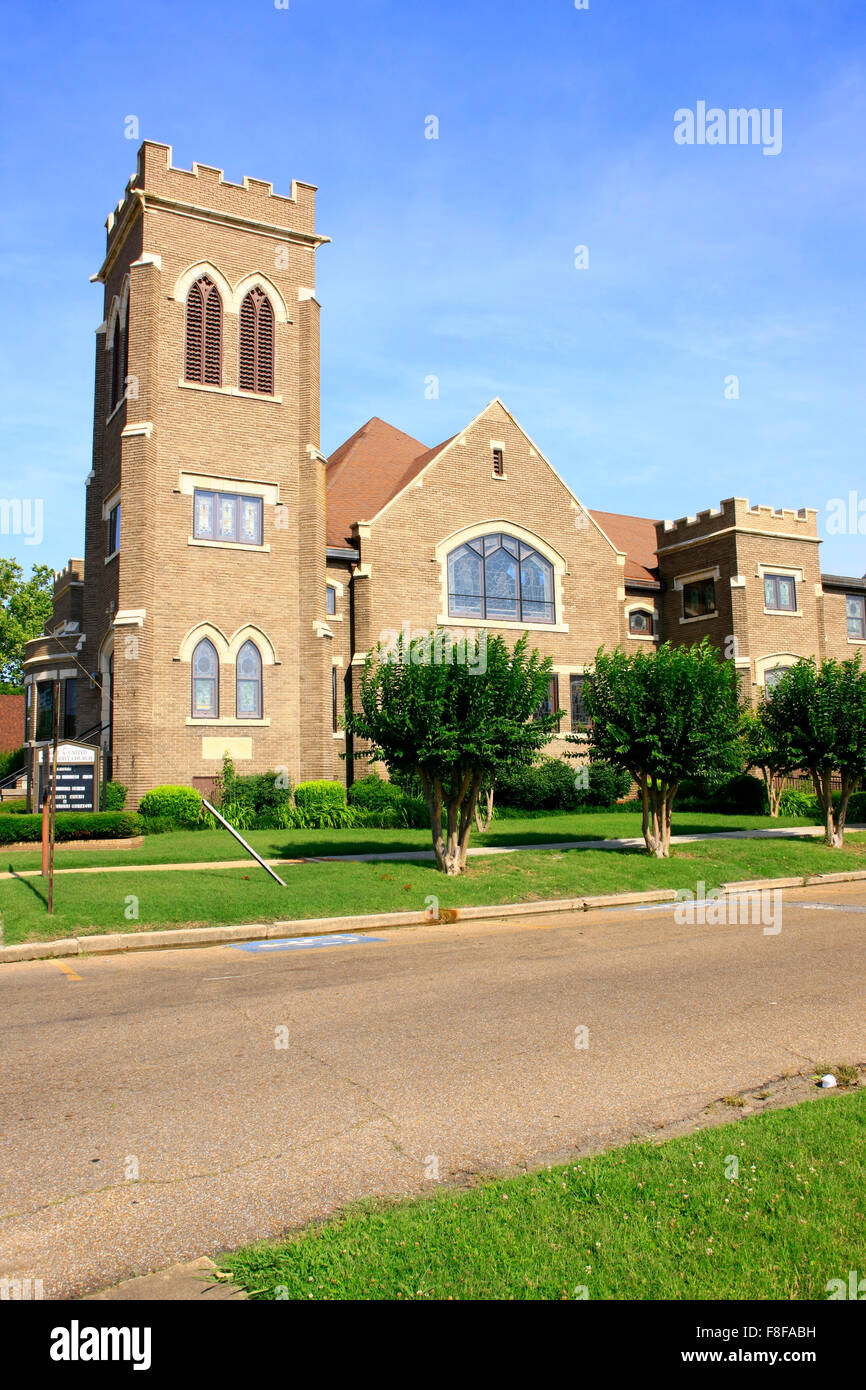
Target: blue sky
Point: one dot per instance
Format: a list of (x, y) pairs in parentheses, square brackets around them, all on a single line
[(455, 257)]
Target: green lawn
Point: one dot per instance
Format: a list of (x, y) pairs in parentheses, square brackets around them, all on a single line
[(644, 1222), (202, 846), (165, 898)]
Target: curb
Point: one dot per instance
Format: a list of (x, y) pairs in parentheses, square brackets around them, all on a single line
[(257, 931)]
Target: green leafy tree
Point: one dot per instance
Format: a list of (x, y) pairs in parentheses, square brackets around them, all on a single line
[(815, 718), (425, 711), (25, 606), (663, 717), (761, 753)]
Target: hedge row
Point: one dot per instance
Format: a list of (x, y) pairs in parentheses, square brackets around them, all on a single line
[(71, 825)]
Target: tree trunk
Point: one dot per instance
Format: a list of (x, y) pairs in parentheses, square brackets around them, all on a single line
[(483, 823), (824, 792), (433, 796), (773, 792)]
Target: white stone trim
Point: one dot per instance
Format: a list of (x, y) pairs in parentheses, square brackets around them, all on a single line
[(520, 533), (188, 277), (763, 664), (221, 482), (249, 282), (229, 391), (138, 427), (130, 617)]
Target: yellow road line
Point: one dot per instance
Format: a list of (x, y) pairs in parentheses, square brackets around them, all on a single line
[(67, 969)]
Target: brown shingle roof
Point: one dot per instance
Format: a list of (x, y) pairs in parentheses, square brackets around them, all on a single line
[(636, 535), (365, 472)]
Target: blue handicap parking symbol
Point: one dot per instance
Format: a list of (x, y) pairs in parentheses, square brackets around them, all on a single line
[(303, 943)]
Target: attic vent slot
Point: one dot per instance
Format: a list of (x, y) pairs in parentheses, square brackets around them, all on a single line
[(498, 463)]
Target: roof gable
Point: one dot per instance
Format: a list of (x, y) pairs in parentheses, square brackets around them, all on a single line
[(364, 472)]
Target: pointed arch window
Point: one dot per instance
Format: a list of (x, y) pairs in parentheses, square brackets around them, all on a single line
[(256, 372), (203, 348), (500, 577), (205, 681), (248, 704)]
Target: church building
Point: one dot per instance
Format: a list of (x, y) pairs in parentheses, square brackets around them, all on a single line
[(234, 578)]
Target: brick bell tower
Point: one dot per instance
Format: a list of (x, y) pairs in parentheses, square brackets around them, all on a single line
[(205, 596)]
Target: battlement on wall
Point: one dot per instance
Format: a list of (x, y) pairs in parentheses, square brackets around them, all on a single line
[(204, 186), (737, 512), (72, 573)]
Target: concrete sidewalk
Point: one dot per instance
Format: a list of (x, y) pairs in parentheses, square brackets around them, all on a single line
[(633, 842)]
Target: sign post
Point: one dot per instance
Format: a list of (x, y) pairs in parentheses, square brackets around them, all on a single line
[(52, 803)]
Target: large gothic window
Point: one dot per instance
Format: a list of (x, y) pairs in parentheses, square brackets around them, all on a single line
[(500, 577), (205, 681), (203, 349), (256, 372)]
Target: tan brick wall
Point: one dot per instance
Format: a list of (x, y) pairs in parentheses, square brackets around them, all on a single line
[(406, 582)]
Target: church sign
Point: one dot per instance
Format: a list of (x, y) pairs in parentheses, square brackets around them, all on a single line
[(77, 779)]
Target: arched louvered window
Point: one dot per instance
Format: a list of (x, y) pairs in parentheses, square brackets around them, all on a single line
[(119, 359), (257, 343), (205, 681), (204, 334), (249, 682)]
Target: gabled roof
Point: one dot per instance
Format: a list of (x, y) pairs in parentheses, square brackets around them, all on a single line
[(366, 471), (636, 535)]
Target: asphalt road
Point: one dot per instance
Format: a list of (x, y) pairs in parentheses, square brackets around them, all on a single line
[(147, 1114)]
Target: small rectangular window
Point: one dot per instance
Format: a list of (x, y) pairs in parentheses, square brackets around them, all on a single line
[(699, 598), (44, 710), (640, 622), (334, 708), (780, 593), (855, 613), (113, 530), (330, 599), (499, 463), (227, 516)]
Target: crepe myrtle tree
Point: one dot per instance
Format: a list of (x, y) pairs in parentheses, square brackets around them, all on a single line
[(815, 718), (761, 753), (663, 717), (424, 710)]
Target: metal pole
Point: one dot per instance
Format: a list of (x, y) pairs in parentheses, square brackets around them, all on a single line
[(249, 849), (52, 805)]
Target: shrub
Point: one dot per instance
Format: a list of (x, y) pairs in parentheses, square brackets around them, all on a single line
[(741, 795), (546, 785), (114, 796), (11, 762), (857, 808), (13, 808), (258, 791), (320, 796), (373, 793), (607, 785), (72, 825), (180, 804), (239, 814), (793, 802)]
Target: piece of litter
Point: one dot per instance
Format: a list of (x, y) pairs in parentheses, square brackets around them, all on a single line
[(828, 1081)]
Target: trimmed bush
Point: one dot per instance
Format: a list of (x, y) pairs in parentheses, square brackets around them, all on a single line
[(114, 796), (71, 825), (180, 804), (793, 802), (257, 791), (741, 795), (373, 793), (547, 785), (320, 796), (606, 786), (13, 808)]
